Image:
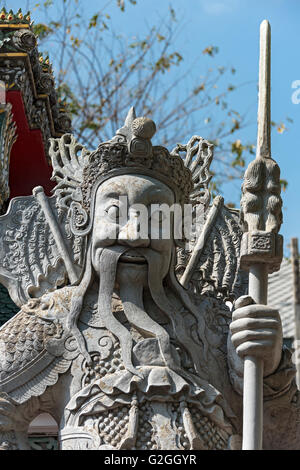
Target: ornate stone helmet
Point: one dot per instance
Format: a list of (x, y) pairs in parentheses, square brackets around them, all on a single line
[(79, 172)]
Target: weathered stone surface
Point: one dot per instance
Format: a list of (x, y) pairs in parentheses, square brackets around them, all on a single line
[(7, 139), (126, 357)]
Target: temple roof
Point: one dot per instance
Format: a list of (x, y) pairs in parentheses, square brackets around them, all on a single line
[(31, 111), (281, 296), (23, 68)]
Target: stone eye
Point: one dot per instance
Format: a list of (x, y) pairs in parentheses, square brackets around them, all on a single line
[(113, 212)]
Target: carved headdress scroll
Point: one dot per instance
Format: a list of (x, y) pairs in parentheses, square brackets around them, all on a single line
[(38, 251), (197, 155), (211, 262)]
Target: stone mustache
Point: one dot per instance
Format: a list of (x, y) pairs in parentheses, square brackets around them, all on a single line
[(109, 339)]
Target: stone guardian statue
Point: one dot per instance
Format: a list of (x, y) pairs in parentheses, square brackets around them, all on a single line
[(126, 336)]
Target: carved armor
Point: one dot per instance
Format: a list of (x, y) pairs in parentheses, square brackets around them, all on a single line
[(109, 408)]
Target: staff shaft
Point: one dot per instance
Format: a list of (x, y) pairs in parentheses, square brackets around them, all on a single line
[(253, 370)]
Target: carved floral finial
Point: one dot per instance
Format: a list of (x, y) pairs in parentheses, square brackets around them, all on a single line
[(45, 64), (14, 18)]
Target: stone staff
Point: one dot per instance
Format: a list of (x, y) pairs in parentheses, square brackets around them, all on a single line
[(261, 249)]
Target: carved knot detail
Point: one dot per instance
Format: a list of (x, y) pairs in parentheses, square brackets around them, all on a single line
[(261, 242)]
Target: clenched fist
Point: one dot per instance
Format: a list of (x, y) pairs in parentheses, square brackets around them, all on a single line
[(256, 331)]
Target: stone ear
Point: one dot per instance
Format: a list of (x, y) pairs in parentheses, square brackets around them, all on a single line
[(80, 223)]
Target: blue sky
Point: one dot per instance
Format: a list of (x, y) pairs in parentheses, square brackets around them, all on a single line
[(233, 26)]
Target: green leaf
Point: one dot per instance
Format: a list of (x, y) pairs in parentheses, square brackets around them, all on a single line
[(198, 89), (172, 13), (121, 4), (55, 24), (160, 37), (93, 21), (281, 128), (42, 30), (211, 50), (284, 184)]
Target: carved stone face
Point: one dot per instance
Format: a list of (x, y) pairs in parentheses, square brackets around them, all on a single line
[(120, 205)]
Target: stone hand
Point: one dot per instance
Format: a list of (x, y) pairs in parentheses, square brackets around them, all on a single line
[(256, 331)]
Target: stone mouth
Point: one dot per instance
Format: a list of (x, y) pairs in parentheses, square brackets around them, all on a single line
[(132, 257)]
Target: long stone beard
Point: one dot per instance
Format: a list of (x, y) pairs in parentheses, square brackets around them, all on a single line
[(131, 293), (174, 314), (132, 281)]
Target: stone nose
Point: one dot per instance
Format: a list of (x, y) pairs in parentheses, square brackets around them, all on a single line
[(132, 235)]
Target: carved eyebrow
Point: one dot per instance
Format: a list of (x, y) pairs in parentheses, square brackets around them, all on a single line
[(159, 196), (114, 195)]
